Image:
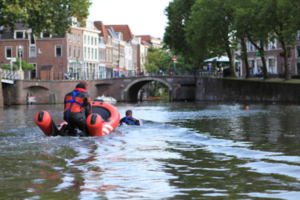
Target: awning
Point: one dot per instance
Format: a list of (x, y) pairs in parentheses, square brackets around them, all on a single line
[(219, 59)]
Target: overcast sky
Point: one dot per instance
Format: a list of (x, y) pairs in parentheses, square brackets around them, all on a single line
[(144, 17)]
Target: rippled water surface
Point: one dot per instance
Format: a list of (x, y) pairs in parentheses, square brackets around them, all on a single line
[(182, 151)]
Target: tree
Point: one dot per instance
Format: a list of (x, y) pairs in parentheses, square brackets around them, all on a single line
[(16, 66), (42, 15), (178, 12), (285, 26)]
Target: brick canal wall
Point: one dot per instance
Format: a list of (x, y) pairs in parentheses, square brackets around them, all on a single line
[(242, 90)]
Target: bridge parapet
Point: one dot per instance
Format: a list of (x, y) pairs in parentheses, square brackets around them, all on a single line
[(8, 74)]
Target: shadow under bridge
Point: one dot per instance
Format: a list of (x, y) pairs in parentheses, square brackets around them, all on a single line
[(132, 89)]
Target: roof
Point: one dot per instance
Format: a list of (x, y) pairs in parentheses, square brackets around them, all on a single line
[(124, 29), (100, 26), (146, 43), (146, 38)]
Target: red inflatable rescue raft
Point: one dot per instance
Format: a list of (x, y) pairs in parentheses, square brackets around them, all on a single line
[(104, 119)]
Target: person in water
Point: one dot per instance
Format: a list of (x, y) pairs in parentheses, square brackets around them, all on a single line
[(129, 120), (77, 107)]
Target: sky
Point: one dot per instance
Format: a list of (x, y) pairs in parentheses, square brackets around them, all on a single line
[(144, 17)]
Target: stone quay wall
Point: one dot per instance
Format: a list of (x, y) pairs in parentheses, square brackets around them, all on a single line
[(243, 90)]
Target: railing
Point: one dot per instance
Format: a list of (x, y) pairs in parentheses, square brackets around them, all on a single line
[(8, 74)]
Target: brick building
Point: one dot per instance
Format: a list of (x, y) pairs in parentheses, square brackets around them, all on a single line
[(42, 50)]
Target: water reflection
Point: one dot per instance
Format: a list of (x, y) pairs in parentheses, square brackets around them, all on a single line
[(183, 151)]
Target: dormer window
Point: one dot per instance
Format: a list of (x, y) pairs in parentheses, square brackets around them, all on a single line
[(19, 34), (46, 35)]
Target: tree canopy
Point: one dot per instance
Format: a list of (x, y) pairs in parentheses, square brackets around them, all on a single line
[(51, 16), (200, 29)]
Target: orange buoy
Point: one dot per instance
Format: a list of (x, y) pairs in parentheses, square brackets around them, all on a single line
[(247, 108)]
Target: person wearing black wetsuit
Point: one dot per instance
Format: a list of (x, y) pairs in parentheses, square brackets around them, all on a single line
[(129, 120), (77, 108)]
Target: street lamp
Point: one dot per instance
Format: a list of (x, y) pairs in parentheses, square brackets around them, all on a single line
[(20, 49)]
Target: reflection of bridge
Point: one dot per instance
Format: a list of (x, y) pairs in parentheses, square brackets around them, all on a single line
[(123, 89)]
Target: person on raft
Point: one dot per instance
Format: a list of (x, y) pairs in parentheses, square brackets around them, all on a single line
[(129, 120), (77, 107)]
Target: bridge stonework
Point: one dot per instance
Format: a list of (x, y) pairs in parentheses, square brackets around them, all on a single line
[(122, 89)]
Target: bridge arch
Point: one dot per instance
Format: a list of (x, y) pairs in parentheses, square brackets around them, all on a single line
[(131, 90)]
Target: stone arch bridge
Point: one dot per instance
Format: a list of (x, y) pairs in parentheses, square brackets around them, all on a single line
[(123, 89)]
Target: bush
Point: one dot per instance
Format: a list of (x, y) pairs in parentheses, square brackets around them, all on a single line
[(25, 66)]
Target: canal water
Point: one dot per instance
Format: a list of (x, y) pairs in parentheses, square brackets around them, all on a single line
[(182, 151)]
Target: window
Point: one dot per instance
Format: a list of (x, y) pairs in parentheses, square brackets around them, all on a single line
[(298, 51), (33, 72), (92, 53), (8, 52), (95, 54), (74, 52), (32, 41), (250, 46), (84, 53), (70, 51), (58, 51), (88, 40), (88, 53), (74, 38), (298, 68), (272, 44), (32, 53), (107, 53), (70, 37), (92, 40), (19, 34), (78, 52), (78, 38), (84, 39), (46, 35), (96, 41)]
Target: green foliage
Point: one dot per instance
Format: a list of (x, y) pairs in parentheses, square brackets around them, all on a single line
[(25, 65), (178, 12), (42, 15), (16, 66), (209, 29), (200, 29), (7, 67), (158, 59)]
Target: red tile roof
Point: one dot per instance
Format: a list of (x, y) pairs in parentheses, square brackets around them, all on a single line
[(146, 38), (124, 29), (144, 43), (100, 26)]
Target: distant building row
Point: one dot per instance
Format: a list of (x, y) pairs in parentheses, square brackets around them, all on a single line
[(93, 52), (274, 59)]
